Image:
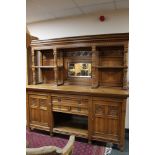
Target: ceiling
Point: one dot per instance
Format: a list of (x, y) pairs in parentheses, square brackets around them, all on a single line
[(40, 10)]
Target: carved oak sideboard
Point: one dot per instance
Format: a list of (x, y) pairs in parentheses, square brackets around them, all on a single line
[(79, 86)]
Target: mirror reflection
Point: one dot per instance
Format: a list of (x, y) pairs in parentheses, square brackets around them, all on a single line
[(79, 69)]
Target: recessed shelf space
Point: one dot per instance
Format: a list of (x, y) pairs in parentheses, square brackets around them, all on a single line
[(110, 77), (70, 124), (109, 66), (110, 56), (47, 67)]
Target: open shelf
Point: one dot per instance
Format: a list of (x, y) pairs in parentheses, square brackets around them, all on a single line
[(68, 66), (110, 56), (71, 130), (71, 124), (114, 67), (44, 66)]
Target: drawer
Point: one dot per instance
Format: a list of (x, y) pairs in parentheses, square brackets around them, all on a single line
[(73, 104), (70, 109), (79, 110), (64, 108), (61, 108), (70, 100), (56, 107)]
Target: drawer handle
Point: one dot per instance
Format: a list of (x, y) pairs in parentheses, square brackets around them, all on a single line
[(69, 108)]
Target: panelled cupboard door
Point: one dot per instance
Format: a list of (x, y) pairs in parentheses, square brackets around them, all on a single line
[(38, 110), (34, 109), (106, 119)]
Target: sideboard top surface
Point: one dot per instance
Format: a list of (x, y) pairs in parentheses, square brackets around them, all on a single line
[(79, 89)]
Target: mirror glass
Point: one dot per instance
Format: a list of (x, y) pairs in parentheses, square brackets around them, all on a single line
[(79, 69)]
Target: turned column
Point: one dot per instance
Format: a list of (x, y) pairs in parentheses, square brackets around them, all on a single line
[(55, 66), (122, 126), (95, 75), (33, 68), (125, 71), (61, 68)]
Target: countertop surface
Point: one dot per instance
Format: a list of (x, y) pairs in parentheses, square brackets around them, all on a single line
[(79, 89)]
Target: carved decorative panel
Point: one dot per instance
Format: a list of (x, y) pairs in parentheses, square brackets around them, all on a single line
[(100, 109), (42, 102), (33, 101), (80, 53), (113, 110)]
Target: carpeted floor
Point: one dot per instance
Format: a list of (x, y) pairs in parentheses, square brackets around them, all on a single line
[(37, 140)]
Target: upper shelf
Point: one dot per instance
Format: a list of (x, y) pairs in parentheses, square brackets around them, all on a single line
[(114, 67), (46, 66)]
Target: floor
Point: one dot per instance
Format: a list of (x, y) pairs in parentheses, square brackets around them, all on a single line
[(115, 150), (125, 152)]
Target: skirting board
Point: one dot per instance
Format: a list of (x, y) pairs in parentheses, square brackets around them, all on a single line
[(127, 133)]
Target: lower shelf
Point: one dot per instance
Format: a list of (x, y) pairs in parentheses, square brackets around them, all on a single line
[(71, 130), (70, 124)]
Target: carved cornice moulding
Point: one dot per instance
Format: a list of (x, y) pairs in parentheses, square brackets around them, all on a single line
[(91, 39)]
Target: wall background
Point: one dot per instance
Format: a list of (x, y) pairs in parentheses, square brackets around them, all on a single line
[(115, 22)]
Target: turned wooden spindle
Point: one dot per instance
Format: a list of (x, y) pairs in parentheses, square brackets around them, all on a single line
[(33, 69), (125, 71), (95, 79), (55, 66), (61, 69)]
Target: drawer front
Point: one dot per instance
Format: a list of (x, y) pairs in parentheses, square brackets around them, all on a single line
[(70, 104)]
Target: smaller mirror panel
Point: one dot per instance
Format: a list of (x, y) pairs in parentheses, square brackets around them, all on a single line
[(79, 69)]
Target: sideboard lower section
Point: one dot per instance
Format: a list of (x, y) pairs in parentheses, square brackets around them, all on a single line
[(88, 116)]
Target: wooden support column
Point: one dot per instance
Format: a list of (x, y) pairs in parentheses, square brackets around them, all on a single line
[(61, 68), (33, 69), (122, 125), (55, 66), (125, 71), (90, 120), (39, 63), (95, 75)]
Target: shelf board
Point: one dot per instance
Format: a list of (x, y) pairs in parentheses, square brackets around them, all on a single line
[(115, 67), (71, 130), (46, 66)]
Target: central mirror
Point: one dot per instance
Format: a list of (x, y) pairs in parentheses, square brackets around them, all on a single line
[(79, 69)]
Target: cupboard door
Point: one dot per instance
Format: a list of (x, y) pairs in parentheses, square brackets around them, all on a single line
[(106, 119), (39, 111), (43, 107), (34, 109)]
